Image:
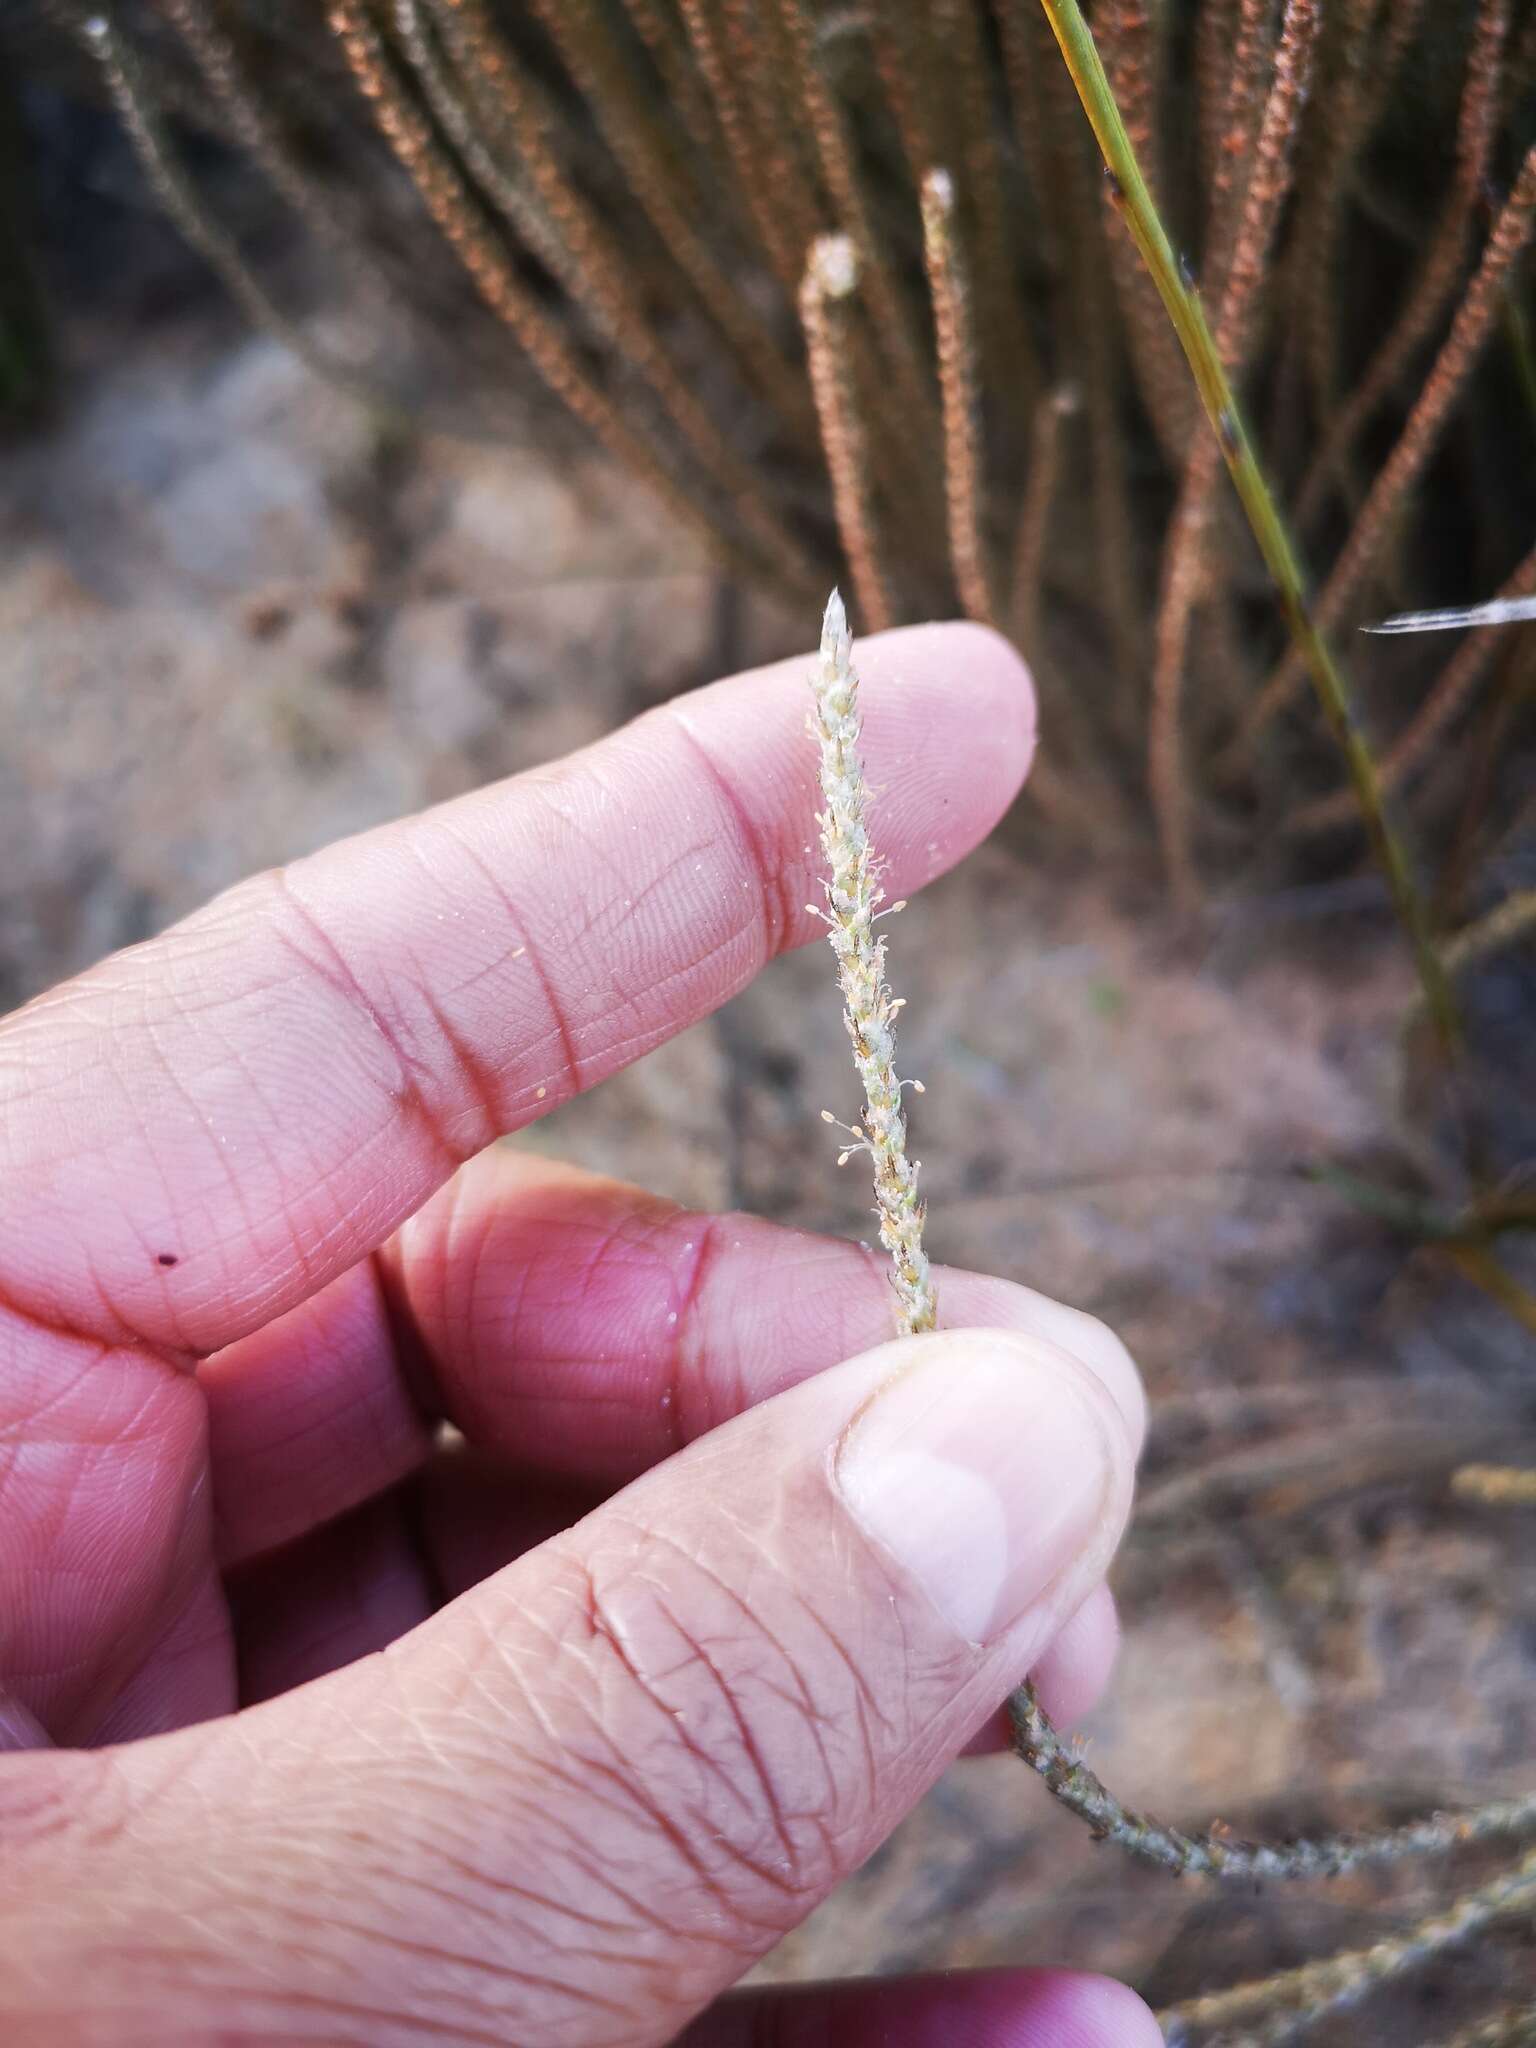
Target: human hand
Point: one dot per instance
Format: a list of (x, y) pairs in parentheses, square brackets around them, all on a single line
[(321, 1729)]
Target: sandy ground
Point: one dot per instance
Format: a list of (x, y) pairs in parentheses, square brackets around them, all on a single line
[(236, 621)]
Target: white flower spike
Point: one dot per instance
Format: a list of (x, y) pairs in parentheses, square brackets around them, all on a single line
[(854, 897)]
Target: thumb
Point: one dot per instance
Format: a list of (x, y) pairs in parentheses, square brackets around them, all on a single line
[(581, 1800)]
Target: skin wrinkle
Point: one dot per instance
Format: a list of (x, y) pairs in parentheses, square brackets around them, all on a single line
[(54, 1326), (147, 1424), (762, 1777), (574, 1844), (629, 1797), (277, 986), (439, 1829), (176, 1962), (43, 1798), (437, 1992), (476, 1077), (756, 1540), (627, 1230), (488, 1313), (560, 1027), (407, 1092), (762, 1872), (170, 1076), (619, 910), (545, 1908), (494, 1298), (867, 1264), (685, 1368), (752, 1935), (614, 915), (560, 1765), (262, 1139), (866, 1699), (301, 1252), (186, 1669), (756, 1632), (608, 1783), (29, 1421), (774, 913), (699, 1656), (713, 946), (865, 1694)]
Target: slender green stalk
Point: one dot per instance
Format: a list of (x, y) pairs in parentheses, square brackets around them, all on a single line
[(1517, 329), (1137, 208)]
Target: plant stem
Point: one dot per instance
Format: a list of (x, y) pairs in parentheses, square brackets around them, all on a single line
[(1275, 2009), (1216, 1852), (1137, 208), (854, 897)]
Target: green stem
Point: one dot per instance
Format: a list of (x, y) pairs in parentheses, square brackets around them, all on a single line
[(1136, 207), (1517, 327), (1412, 1214), (1421, 1217)]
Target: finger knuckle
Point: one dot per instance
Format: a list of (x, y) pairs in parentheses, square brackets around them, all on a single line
[(749, 1728)]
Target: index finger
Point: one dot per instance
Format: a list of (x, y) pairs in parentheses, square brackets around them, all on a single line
[(202, 1131)]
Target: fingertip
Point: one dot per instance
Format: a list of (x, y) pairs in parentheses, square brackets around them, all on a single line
[(1070, 1678), (1071, 1674), (948, 731), (994, 1470), (1005, 2008), (990, 682), (1074, 2011), (980, 1298)]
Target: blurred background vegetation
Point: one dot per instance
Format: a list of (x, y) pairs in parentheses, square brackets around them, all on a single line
[(847, 290)]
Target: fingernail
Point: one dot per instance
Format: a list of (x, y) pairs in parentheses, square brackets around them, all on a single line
[(984, 1469)]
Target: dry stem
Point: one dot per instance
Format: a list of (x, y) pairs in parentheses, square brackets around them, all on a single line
[(963, 485), (831, 273), (1281, 2006)]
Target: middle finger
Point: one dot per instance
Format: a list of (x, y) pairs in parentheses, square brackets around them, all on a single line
[(575, 1326)]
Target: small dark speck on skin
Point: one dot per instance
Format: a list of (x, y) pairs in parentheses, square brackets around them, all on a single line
[(167, 1259)]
